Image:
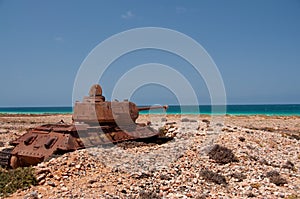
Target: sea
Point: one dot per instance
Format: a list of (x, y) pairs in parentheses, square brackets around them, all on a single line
[(273, 109)]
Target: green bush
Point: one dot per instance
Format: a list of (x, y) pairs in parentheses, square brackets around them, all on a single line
[(12, 180)]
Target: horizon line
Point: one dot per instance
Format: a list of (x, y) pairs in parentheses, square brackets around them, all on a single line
[(230, 104)]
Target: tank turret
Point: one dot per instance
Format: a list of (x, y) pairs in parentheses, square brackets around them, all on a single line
[(94, 109)]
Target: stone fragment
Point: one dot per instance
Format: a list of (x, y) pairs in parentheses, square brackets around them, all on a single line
[(164, 188), (92, 181), (32, 195), (41, 177), (50, 183)]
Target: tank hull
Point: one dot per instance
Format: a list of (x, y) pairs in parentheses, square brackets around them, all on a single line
[(42, 142)]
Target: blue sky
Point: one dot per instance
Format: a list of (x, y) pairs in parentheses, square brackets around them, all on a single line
[(255, 44)]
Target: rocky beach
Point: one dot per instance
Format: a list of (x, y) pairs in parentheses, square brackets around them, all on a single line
[(241, 157)]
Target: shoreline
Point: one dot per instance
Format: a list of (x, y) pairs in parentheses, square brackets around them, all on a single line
[(2, 114)]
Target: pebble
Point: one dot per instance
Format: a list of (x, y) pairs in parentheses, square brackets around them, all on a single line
[(41, 177), (50, 183), (32, 195), (64, 188)]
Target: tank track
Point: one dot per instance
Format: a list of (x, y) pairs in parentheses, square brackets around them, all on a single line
[(5, 155)]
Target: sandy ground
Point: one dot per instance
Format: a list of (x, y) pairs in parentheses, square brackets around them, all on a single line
[(263, 146)]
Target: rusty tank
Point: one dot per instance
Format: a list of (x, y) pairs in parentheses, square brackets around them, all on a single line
[(95, 122)]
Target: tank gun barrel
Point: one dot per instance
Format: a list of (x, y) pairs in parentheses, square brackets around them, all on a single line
[(146, 108)]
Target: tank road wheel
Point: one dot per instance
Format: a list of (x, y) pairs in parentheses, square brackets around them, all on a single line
[(14, 162)]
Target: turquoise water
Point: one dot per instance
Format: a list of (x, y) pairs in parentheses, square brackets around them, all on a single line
[(36, 110), (286, 109), (290, 109)]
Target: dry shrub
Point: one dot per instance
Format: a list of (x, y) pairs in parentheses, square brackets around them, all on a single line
[(211, 176), (289, 165), (222, 154), (148, 195), (239, 176), (275, 178)]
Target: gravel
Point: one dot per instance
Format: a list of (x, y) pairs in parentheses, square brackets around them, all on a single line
[(181, 168)]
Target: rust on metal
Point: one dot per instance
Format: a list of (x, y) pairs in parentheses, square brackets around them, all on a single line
[(95, 122)]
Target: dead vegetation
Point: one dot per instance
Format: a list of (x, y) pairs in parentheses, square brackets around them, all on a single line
[(222, 155), (238, 176), (275, 178), (211, 176)]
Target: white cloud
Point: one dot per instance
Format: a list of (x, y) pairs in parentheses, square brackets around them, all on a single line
[(128, 15), (58, 39), (180, 9)]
